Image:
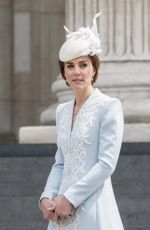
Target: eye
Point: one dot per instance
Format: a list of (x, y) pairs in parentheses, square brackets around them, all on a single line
[(83, 65), (69, 66)]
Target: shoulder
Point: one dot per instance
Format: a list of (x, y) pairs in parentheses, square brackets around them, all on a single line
[(108, 101), (61, 111), (111, 108), (104, 99), (61, 107)]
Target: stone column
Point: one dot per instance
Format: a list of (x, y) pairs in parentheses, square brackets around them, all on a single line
[(37, 35), (25, 88), (36, 64), (125, 63), (6, 94)]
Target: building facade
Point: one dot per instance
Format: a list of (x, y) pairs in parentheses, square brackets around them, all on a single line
[(31, 33)]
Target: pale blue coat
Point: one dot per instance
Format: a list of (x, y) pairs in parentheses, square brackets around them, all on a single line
[(86, 158)]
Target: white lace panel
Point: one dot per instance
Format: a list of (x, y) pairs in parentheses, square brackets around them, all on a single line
[(74, 147)]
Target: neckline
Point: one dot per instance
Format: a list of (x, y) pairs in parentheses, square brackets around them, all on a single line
[(82, 107)]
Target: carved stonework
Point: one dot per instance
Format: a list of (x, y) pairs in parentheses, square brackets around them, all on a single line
[(125, 32), (124, 26)]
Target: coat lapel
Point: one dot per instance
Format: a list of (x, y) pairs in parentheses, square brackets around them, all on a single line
[(86, 110)]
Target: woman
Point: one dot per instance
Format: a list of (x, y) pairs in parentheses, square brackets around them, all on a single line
[(78, 194)]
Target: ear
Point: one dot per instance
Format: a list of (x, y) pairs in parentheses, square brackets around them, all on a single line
[(94, 71)]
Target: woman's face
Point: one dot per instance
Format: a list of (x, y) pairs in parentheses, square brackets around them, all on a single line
[(79, 72)]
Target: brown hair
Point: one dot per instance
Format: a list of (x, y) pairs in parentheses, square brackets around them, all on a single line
[(95, 63)]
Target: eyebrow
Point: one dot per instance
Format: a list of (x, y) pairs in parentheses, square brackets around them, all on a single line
[(73, 63)]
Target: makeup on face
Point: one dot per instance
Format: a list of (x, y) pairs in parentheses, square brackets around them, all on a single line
[(79, 72)]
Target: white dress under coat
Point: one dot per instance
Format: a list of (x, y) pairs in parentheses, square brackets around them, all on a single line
[(86, 157)]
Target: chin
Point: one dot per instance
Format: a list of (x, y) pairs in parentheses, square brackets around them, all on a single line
[(79, 87)]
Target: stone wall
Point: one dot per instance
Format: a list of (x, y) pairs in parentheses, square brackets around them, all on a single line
[(31, 33), (125, 62), (38, 34), (6, 69)]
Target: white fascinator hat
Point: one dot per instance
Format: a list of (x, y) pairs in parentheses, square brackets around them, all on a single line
[(84, 41)]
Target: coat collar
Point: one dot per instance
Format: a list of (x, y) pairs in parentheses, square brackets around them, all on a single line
[(89, 104)]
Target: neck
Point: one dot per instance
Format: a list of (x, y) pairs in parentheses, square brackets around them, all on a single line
[(82, 95)]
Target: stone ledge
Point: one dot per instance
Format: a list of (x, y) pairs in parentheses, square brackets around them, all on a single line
[(37, 135), (139, 132)]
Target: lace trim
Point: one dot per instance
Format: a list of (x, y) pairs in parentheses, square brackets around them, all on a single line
[(69, 224)]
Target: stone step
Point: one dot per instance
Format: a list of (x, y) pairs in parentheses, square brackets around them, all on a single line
[(25, 164), (43, 226), (24, 226), (19, 203), (132, 206), (27, 150), (143, 227), (126, 162), (132, 189), (125, 204), (23, 189), (18, 164), (135, 219), (21, 217), (29, 218), (131, 174), (28, 168), (23, 178)]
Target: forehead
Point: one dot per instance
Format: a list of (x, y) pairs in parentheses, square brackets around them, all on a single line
[(79, 60)]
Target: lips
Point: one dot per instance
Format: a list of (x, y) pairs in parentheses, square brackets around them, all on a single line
[(78, 80)]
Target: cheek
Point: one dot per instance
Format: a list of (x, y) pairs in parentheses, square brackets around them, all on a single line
[(67, 73), (67, 76), (89, 74)]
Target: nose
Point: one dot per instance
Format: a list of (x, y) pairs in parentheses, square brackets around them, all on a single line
[(76, 70)]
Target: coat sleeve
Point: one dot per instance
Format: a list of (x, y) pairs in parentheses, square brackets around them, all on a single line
[(54, 178), (110, 139)]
